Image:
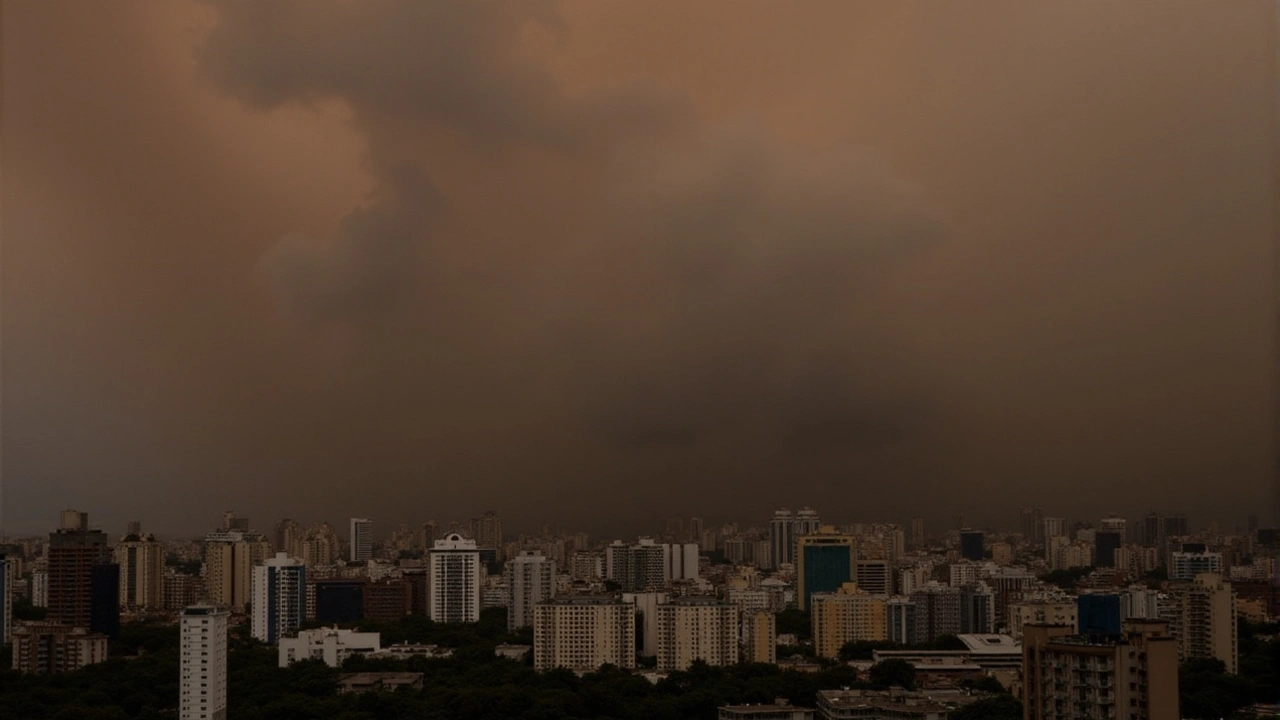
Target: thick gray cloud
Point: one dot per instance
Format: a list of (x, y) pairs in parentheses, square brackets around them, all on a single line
[(595, 263)]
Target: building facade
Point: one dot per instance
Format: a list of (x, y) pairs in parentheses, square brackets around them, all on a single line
[(229, 559), (531, 578), (847, 615), (279, 598), (360, 539), (1203, 617), (824, 563), (141, 561), (760, 637), (331, 645), (1068, 676), (696, 628), (453, 594), (583, 633), (202, 692), (46, 648)]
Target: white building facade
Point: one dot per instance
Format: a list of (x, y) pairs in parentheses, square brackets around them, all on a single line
[(453, 594), (331, 645), (279, 598), (361, 537), (203, 684), (530, 579)]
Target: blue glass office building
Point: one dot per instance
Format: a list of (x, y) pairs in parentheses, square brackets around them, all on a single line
[(1098, 614)]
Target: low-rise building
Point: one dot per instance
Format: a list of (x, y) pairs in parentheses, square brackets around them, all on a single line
[(779, 710), (331, 645), (378, 681), (44, 648)]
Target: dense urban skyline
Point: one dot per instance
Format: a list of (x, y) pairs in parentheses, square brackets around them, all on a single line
[(405, 260)]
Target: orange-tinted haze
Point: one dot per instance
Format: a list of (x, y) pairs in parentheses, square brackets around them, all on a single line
[(598, 263)]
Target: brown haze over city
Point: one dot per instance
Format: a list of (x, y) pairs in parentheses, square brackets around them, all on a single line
[(596, 263)]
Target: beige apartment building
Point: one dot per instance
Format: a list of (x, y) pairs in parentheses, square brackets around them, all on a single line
[(1203, 619), (760, 637), (845, 615), (697, 628), (1040, 612), (141, 561), (230, 557), (1130, 677), (584, 632)]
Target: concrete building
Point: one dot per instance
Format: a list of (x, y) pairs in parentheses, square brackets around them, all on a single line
[(917, 534), (229, 559), (646, 606), (584, 632), (1043, 612), (202, 690), (531, 578), (1203, 614), (874, 576), (487, 531), (74, 551), (7, 572), (696, 628), (846, 615), (386, 601), (141, 561), (892, 704), (46, 648), (1068, 676), (680, 561), (938, 611), (785, 529), (331, 645), (453, 594), (825, 561), (644, 566), (1186, 565), (360, 540), (40, 587), (972, 545), (279, 598), (759, 637)]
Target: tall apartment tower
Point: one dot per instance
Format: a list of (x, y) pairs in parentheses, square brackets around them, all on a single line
[(531, 578), (361, 538), (453, 595), (780, 537), (1068, 676), (760, 637), (229, 557), (203, 689), (697, 628), (824, 563), (917, 534), (584, 632), (1204, 620), (141, 560), (74, 552), (279, 598), (846, 615), (487, 531), (6, 599)]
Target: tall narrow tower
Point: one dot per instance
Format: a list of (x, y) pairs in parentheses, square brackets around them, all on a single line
[(203, 688)]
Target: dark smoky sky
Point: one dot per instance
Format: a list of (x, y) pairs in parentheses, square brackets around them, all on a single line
[(597, 263)]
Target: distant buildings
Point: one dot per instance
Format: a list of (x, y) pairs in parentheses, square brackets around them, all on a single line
[(453, 595), (1068, 676), (360, 539), (7, 573), (582, 633), (331, 645), (531, 578), (279, 598), (45, 648), (696, 628), (202, 692), (784, 529)]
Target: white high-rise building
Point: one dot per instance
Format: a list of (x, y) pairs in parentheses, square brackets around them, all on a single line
[(1187, 565), (697, 628), (583, 632), (203, 688), (40, 587), (780, 537), (680, 561), (279, 598), (531, 578), (453, 595), (361, 538)]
